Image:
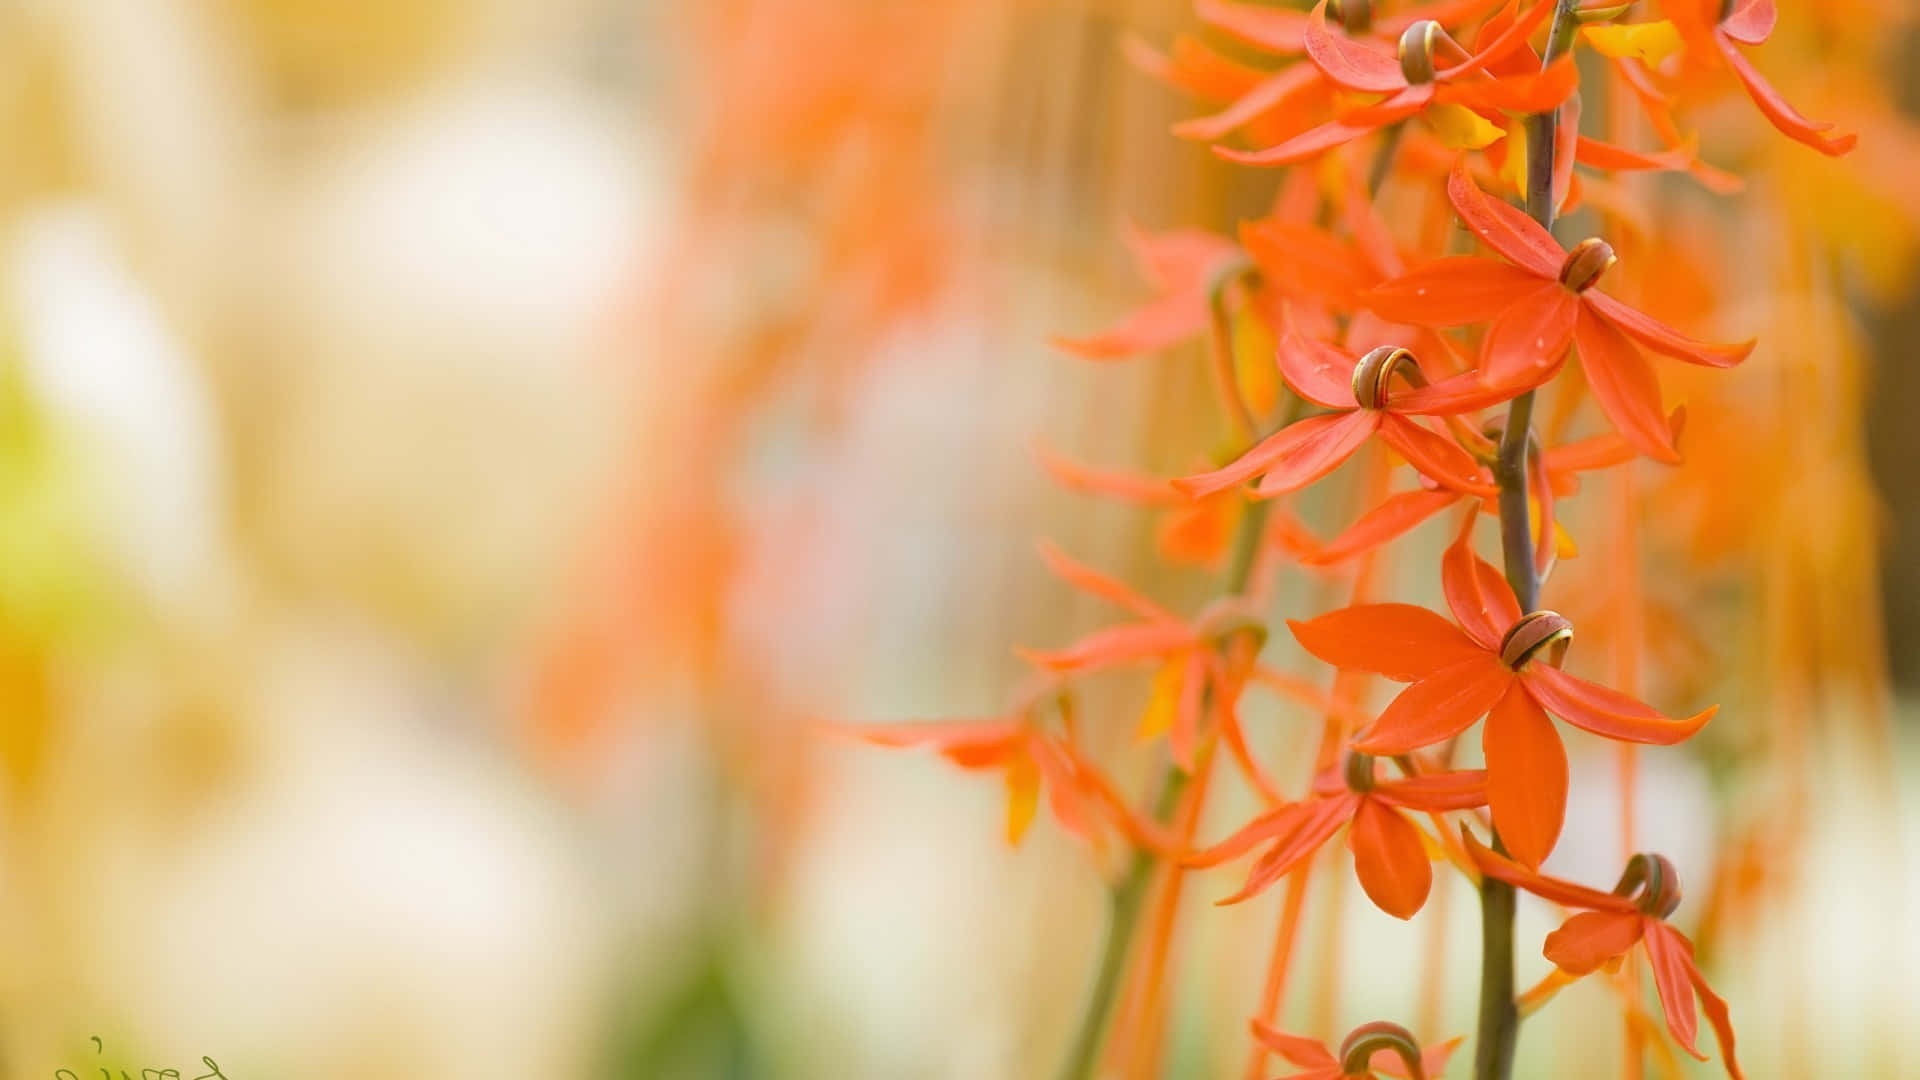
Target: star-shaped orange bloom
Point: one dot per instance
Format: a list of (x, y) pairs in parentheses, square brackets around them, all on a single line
[(1307, 450), (1027, 756), (1454, 97), (1371, 1050), (1187, 650), (1634, 913), (1388, 855), (1289, 98), (1183, 265), (1537, 302), (1706, 27), (1499, 663)]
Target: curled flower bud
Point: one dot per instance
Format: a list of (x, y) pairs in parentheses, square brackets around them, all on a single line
[(1586, 262), (1377, 368), (1359, 772), (1536, 630), (1416, 51), (1356, 1053), (1355, 15), (1652, 883)]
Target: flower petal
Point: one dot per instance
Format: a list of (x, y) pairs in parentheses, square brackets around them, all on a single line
[(1625, 387), (1304, 1052), (1504, 228), (1317, 371), (1583, 455), (1652, 41), (1160, 324), (1662, 338), (1460, 789), (1275, 824), (1453, 291), (1308, 144), (1512, 37), (1436, 457), (1347, 62), (1132, 487), (1258, 459), (1462, 393), (1750, 22), (1525, 345), (1390, 519), (1319, 824), (1715, 1008), (1526, 777), (1184, 736), (1783, 116), (1389, 859), (1094, 583), (1114, 646), (1481, 600), (1591, 938), (1280, 32), (1534, 91), (1606, 713), (1672, 979), (1400, 641), (1565, 893), (1315, 458), (1437, 707), (1269, 95)]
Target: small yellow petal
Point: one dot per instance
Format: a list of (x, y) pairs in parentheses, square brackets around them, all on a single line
[(1023, 796), (1563, 545), (1650, 41), (1163, 701), (1461, 128), (1253, 362), (1514, 169)]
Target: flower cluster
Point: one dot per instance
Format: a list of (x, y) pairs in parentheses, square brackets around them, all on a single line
[(1397, 349)]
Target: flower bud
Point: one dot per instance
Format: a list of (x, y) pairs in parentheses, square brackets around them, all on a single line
[(1356, 1053), (1585, 263), (1536, 630), (1416, 51), (1376, 369), (1652, 883), (1356, 16)]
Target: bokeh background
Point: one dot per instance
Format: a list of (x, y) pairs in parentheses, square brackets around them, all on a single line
[(456, 456)]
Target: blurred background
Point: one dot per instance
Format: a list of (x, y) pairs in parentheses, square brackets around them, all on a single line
[(456, 454)]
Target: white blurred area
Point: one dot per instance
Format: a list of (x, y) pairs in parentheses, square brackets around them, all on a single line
[(308, 305)]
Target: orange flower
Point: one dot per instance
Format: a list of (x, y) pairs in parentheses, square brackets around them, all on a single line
[(1015, 746), (1303, 452), (1711, 25), (1372, 1049), (1183, 264), (1195, 532), (1389, 856), (1455, 98), (1635, 913), (1537, 303), (1287, 98), (1490, 665), (1187, 651)]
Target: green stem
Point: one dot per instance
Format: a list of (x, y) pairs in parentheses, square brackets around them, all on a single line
[(1499, 1027)]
